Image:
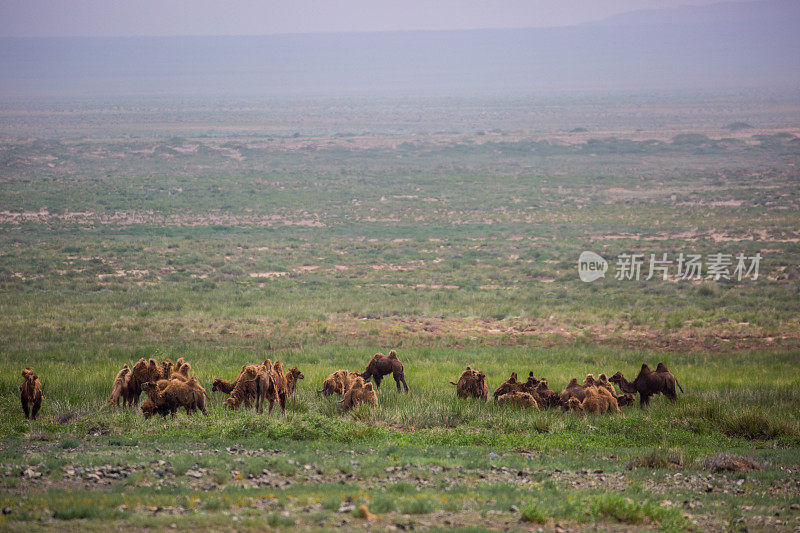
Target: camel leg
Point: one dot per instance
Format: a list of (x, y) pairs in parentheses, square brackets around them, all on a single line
[(671, 394), (36, 406), (403, 379), (25, 408), (397, 379), (378, 381), (283, 403)]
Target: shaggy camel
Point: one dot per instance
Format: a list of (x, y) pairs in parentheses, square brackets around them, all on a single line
[(572, 390), (222, 385), (359, 392), (142, 372), (513, 384), (338, 382), (292, 377), (573, 404), (649, 383), (546, 396), (578, 391), (148, 407), (381, 365), (245, 389), (518, 399), (273, 385), (119, 388), (472, 383), (598, 400), (187, 394), (30, 393), (227, 387)]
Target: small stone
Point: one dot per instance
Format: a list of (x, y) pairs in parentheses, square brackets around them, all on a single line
[(346, 508), (514, 509), (6, 510), (493, 455)]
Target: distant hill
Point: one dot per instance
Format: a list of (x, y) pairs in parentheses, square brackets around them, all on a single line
[(721, 46), (769, 13)]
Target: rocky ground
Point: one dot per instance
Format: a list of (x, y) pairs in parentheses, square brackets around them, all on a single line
[(293, 491)]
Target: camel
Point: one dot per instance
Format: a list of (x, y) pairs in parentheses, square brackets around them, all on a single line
[(30, 393), (380, 365), (649, 383), (471, 383), (359, 392)]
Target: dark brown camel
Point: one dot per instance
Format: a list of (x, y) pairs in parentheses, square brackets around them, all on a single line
[(380, 365), (649, 383)]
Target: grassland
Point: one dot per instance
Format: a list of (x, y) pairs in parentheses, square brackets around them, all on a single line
[(322, 246)]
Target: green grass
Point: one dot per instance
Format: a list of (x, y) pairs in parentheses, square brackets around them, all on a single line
[(454, 249)]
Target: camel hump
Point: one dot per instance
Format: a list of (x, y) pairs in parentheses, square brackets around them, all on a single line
[(468, 368), (393, 354), (661, 368), (645, 368), (513, 377)]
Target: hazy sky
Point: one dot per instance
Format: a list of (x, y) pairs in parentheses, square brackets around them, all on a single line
[(55, 18)]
